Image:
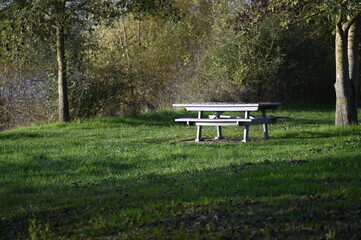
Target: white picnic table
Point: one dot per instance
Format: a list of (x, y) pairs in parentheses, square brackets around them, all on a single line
[(246, 118)]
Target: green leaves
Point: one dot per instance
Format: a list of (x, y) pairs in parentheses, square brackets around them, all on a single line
[(310, 8)]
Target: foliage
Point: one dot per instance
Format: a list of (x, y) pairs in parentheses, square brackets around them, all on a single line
[(266, 63), (144, 55), (346, 17), (309, 8), (48, 21), (121, 178), (126, 57), (27, 84)]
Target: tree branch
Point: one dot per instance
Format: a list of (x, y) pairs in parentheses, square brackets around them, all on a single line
[(351, 21)]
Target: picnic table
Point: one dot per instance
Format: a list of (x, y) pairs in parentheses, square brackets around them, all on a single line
[(219, 120)]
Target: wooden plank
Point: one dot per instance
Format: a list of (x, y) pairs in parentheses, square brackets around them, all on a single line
[(226, 122), (224, 104), (217, 120), (257, 120), (223, 124), (227, 106), (223, 117), (224, 108)]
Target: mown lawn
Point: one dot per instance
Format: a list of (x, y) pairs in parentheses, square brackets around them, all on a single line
[(137, 178)]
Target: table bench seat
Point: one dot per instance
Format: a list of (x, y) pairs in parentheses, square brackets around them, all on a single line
[(226, 121)]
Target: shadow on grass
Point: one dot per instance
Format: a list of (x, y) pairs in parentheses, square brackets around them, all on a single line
[(160, 118), (328, 132), (305, 121), (290, 199), (13, 135)]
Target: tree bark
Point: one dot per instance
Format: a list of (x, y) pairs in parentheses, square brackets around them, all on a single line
[(139, 29), (126, 45), (346, 85), (139, 33), (63, 106), (354, 64), (342, 85)]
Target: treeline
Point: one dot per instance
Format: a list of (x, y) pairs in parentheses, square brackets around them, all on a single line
[(147, 58)]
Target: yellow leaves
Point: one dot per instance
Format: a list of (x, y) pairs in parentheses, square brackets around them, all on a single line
[(330, 234), (285, 23), (186, 60)]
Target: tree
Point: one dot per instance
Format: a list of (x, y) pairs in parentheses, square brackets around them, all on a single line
[(346, 15), (53, 21), (60, 15), (149, 62), (248, 57), (347, 68)]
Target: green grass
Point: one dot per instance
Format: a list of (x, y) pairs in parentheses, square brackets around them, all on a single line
[(136, 178)]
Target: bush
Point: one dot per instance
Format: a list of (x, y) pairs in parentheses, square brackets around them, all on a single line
[(268, 63)]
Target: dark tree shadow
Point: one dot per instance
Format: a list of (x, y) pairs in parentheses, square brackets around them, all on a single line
[(238, 200)]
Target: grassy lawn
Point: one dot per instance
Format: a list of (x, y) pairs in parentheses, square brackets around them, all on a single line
[(136, 178)]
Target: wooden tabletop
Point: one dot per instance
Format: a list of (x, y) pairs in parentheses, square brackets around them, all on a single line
[(224, 106)]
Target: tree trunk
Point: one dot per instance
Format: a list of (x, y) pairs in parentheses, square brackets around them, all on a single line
[(126, 45), (342, 85), (139, 29), (63, 107), (354, 64), (346, 103), (139, 33)]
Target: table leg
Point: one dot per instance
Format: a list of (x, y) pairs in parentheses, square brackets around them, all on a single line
[(246, 134), (246, 128), (199, 129), (219, 133), (199, 134), (218, 114), (246, 114), (265, 126), (219, 128)]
